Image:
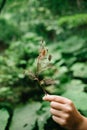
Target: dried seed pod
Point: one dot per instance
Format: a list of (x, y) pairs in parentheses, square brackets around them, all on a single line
[(49, 57)]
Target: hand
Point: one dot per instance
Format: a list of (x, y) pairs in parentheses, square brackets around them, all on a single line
[(64, 113)]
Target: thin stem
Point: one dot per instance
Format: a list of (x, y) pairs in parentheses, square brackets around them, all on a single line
[(41, 87)]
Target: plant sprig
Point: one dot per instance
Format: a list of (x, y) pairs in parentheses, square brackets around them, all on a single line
[(42, 64)]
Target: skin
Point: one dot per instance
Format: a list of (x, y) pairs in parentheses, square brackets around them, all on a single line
[(65, 114)]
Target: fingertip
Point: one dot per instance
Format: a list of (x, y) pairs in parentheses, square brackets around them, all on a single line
[(45, 97)]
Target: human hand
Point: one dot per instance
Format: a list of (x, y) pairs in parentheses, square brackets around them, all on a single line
[(64, 113)]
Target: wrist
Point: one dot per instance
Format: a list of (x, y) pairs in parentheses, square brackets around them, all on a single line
[(82, 124)]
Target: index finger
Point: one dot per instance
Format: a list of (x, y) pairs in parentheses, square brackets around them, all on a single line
[(55, 98)]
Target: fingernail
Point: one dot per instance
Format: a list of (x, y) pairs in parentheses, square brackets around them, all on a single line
[(45, 96)]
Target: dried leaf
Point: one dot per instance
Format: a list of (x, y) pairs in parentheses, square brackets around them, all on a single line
[(48, 82), (49, 57), (31, 75)]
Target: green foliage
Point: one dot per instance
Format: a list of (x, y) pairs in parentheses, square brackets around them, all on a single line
[(70, 45), (79, 70), (75, 91), (73, 21), (3, 119), (26, 116), (62, 7), (23, 116), (11, 31)]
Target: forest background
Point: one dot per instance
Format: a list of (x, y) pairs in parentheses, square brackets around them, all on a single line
[(62, 24)]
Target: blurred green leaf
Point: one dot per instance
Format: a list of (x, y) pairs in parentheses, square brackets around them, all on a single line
[(3, 119), (25, 116), (70, 45), (79, 70), (75, 92)]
